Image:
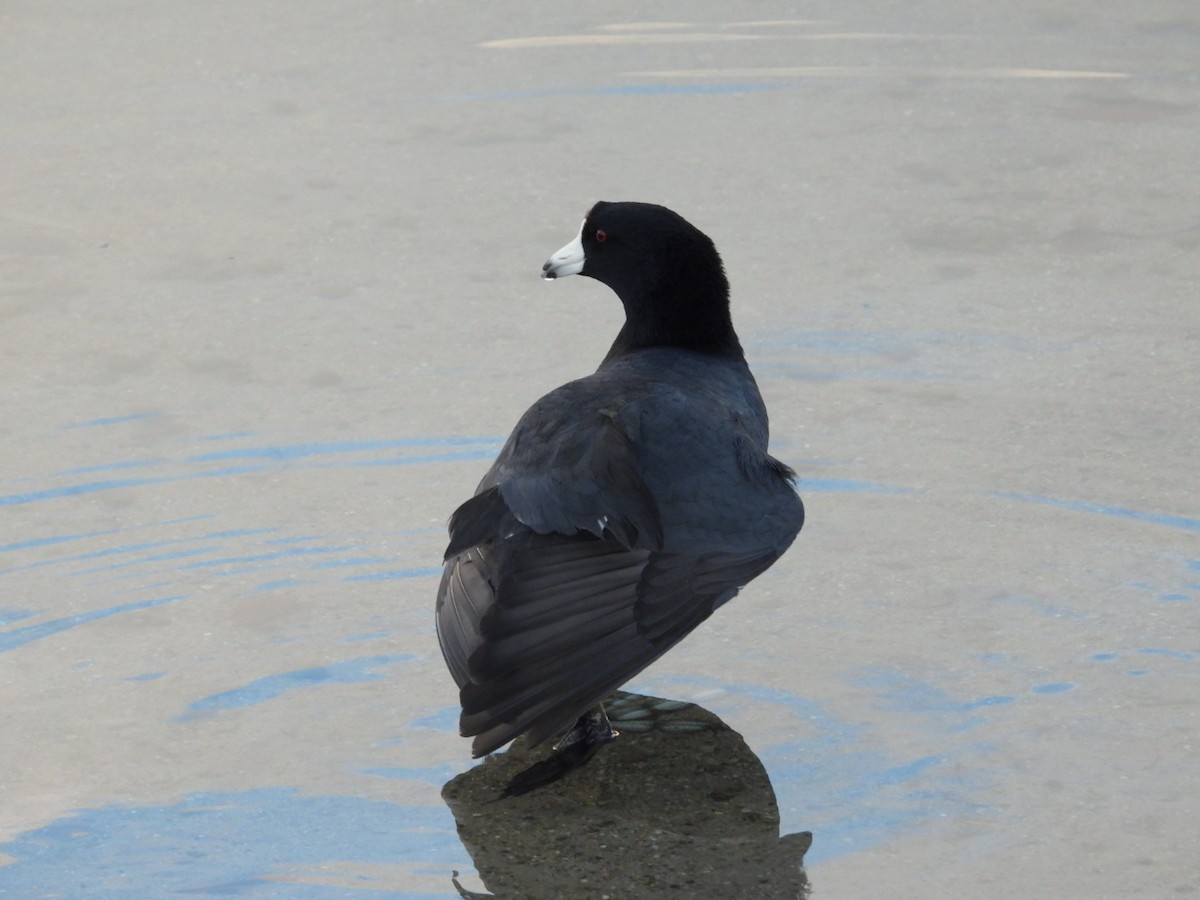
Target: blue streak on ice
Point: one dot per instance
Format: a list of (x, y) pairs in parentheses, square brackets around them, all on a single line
[(271, 687), (120, 550), (1057, 687), (237, 532), (19, 637), (368, 636), (113, 420), (279, 584), (146, 676), (263, 557), (8, 616), (75, 490), (458, 456), (445, 719), (902, 691), (284, 452), (122, 466), (844, 486), (130, 548), (259, 459), (1102, 509), (114, 484), (227, 436), (213, 844), (34, 543)]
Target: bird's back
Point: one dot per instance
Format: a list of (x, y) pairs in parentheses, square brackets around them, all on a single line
[(625, 507)]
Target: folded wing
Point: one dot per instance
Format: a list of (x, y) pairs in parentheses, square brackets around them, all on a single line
[(537, 629)]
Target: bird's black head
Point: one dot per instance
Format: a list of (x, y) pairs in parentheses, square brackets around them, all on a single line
[(666, 271)]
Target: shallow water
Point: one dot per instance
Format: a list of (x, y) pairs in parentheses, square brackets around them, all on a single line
[(269, 305)]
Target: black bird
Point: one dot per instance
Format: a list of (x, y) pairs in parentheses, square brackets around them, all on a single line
[(625, 506)]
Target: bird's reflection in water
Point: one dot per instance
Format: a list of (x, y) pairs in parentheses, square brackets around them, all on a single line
[(677, 806)]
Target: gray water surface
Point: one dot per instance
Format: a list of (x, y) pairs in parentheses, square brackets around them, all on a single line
[(269, 305)]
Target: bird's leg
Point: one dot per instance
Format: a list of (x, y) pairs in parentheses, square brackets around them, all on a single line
[(591, 729)]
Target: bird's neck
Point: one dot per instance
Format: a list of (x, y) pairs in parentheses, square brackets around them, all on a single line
[(692, 317)]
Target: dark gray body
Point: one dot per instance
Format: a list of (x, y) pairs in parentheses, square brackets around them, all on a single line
[(624, 508)]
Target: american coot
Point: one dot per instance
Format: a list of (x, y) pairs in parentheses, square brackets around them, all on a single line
[(625, 506)]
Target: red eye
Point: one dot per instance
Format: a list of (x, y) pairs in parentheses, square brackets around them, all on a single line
[(601, 235)]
